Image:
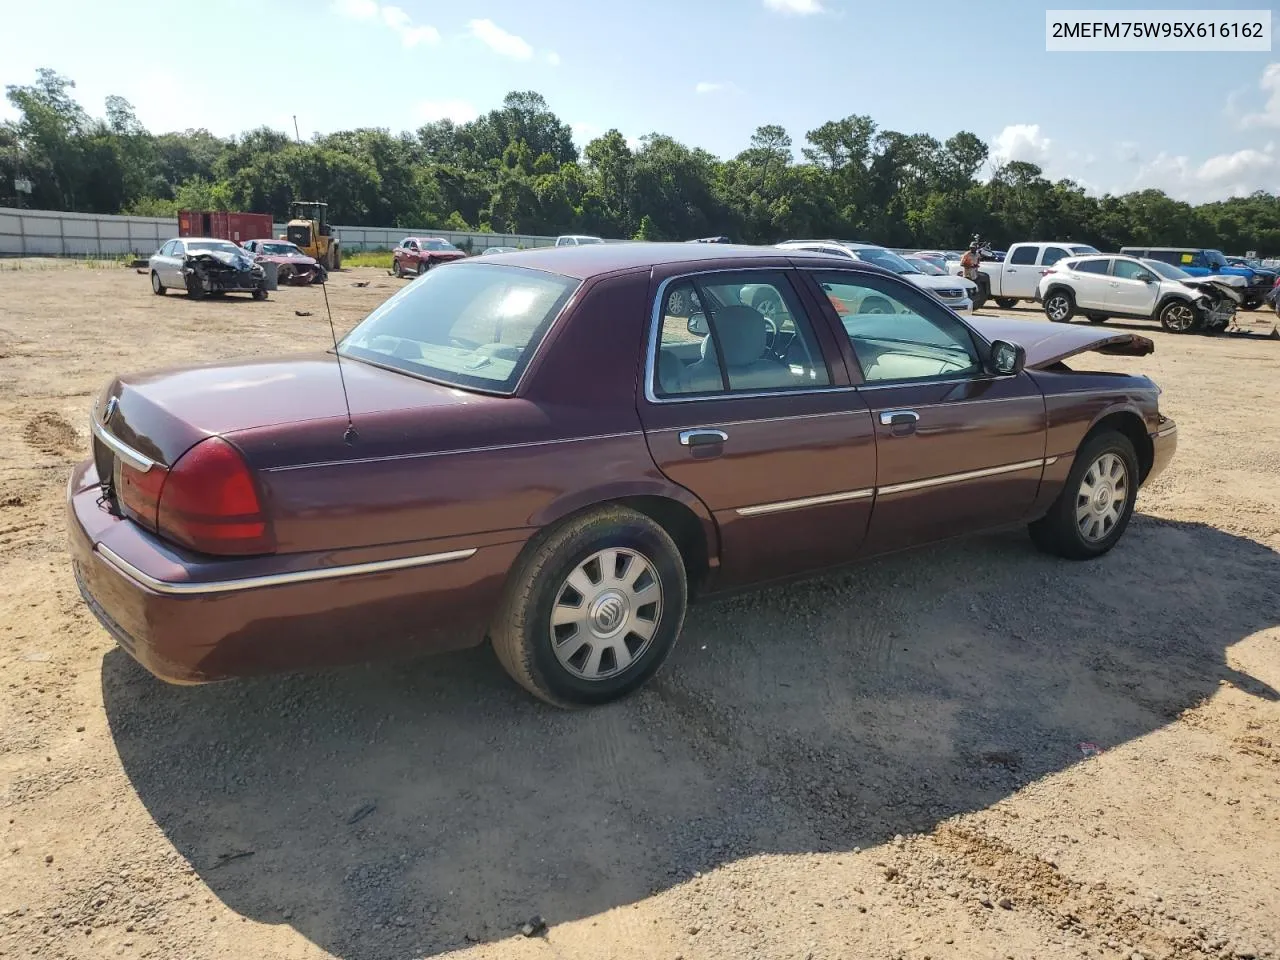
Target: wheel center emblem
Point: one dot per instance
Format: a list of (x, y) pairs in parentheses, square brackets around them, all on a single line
[(608, 613), (1102, 499)]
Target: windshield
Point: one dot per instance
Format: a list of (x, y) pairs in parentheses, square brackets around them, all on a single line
[(883, 258), (1215, 259), (1166, 270), (471, 325), (283, 249), (437, 245), (222, 246), (1082, 248), (926, 267)]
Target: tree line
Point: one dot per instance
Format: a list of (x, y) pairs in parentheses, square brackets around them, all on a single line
[(517, 170)]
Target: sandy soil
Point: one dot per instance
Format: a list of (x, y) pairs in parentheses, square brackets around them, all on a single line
[(884, 763)]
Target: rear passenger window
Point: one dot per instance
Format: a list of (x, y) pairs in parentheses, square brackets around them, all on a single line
[(728, 333), (1052, 255), (1023, 255), (1096, 265)]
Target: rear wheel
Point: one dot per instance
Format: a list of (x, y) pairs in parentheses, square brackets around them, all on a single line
[(1096, 503), (1060, 306), (156, 286), (1179, 316), (1005, 303), (591, 611)]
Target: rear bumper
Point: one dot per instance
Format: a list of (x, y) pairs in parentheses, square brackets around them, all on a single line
[(1164, 443), (188, 619)]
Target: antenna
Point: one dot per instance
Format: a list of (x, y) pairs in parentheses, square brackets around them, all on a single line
[(350, 435), (297, 136)]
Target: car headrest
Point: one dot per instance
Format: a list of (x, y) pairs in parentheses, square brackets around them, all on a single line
[(742, 332)]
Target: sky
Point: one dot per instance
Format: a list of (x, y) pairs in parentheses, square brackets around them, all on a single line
[(1201, 126)]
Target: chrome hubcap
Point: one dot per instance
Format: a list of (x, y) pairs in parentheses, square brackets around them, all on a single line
[(1057, 308), (1103, 493), (606, 613)]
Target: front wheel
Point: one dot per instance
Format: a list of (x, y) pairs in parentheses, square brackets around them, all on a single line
[(195, 288), (1096, 503), (1252, 303), (1006, 303), (398, 269), (1179, 316), (592, 611), (260, 294), (1060, 306)]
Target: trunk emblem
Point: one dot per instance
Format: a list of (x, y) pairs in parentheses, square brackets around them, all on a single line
[(109, 411)]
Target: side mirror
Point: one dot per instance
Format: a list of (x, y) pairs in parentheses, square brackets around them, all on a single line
[(1007, 359), (698, 325)]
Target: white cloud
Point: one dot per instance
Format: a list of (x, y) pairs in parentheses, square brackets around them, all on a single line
[(356, 9), (1021, 141), (1235, 174), (1127, 151), (1270, 115), (459, 111), (707, 86), (411, 34), (797, 8), (552, 58), (500, 41)]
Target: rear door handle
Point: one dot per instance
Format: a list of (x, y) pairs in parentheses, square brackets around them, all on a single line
[(702, 437), (899, 422)]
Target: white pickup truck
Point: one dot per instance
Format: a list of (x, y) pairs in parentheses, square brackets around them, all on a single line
[(1016, 277)]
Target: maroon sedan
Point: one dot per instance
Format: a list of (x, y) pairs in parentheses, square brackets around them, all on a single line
[(542, 454), (417, 255)]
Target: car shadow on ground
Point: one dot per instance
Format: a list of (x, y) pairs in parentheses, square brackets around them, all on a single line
[(403, 810)]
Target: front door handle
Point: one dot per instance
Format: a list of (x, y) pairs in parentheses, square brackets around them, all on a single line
[(899, 422), (702, 437)]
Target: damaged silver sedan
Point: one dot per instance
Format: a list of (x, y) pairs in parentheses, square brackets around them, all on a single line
[(206, 267)]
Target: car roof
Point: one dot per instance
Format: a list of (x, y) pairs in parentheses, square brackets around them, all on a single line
[(205, 240), (1165, 249), (593, 260)]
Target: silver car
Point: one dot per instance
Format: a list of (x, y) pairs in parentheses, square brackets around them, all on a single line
[(224, 268), (956, 292)]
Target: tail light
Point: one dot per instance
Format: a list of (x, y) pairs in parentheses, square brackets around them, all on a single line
[(139, 492), (210, 502)]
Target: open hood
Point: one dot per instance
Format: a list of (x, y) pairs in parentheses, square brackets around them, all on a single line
[(1049, 343)]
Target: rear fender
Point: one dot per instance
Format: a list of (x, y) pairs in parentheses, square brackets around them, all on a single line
[(597, 496)]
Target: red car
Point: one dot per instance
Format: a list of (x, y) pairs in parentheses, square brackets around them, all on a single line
[(417, 255), (538, 452), (292, 265)]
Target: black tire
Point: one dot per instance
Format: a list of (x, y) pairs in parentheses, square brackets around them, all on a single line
[(157, 287), (1252, 303), (397, 269), (194, 289), (521, 631), (1059, 531), (875, 305), (1006, 303), (1098, 317), (1060, 306), (424, 266), (260, 293), (1174, 317), (766, 302), (337, 258)]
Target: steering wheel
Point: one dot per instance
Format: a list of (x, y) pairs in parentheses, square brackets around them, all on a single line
[(770, 334)]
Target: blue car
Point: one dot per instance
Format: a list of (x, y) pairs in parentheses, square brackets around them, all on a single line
[(1202, 262)]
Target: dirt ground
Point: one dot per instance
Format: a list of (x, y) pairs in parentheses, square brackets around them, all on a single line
[(883, 763)]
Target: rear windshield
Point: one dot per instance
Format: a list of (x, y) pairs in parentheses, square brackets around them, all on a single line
[(465, 324)]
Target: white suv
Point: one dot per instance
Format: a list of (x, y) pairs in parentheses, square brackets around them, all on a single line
[(1106, 286), (576, 240), (956, 292)]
